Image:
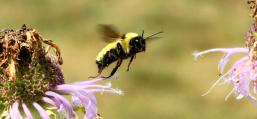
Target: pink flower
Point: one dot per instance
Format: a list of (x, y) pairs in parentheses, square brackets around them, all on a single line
[(241, 75)]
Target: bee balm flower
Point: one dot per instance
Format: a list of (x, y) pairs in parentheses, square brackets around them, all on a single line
[(243, 73), (31, 78)]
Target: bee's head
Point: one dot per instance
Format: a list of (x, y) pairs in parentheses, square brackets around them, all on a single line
[(137, 44)]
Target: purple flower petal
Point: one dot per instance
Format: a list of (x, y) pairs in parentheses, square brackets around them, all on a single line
[(223, 62), (89, 95), (241, 75), (82, 94), (224, 50), (15, 113), (65, 103), (41, 111), (67, 88), (229, 52), (49, 101), (11, 113), (89, 104), (88, 82), (61, 108), (104, 90), (78, 86), (91, 111), (76, 101), (27, 111)]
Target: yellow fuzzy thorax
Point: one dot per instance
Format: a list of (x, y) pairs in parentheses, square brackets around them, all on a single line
[(113, 45)]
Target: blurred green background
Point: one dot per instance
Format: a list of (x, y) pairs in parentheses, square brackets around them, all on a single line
[(163, 83)]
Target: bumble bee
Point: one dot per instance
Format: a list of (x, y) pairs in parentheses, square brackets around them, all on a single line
[(120, 47)]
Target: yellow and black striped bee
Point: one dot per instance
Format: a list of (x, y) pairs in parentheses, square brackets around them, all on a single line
[(120, 47)]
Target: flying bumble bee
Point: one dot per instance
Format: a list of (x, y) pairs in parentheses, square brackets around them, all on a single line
[(120, 47)]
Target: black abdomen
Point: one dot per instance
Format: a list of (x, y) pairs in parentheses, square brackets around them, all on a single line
[(110, 57)]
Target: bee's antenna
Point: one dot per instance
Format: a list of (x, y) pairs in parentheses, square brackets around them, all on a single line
[(143, 34), (154, 34)]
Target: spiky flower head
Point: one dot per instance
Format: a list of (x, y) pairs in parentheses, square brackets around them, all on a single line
[(31, 77)]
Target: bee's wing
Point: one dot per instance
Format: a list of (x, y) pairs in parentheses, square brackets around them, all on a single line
[(109, 32)]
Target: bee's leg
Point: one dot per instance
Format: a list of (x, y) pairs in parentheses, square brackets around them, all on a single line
[(131, 59), (119, 62), (98, 74)]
